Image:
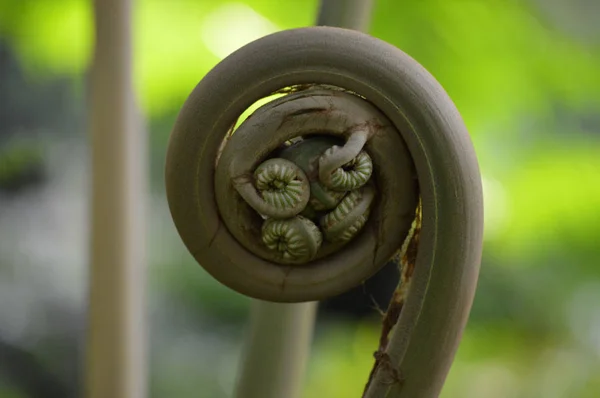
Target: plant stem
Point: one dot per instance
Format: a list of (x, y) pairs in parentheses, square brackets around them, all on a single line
[(115, 357), (277, 350), (349, 14)]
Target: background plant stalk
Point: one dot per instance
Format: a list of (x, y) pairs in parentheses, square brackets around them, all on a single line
[(116, 342)]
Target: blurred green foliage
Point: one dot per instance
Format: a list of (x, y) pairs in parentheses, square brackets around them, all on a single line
[(17, 159), (529, 94)]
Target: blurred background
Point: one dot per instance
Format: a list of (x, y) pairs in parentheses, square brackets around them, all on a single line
[(525, 74)]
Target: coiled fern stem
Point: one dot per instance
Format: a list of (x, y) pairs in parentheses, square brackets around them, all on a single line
[(280, 184), (296, 240), (348, 218), (348, 167), (281, 189)]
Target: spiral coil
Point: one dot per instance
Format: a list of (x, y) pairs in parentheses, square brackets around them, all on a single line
[(371, 101), (282, 186), (340, 203)]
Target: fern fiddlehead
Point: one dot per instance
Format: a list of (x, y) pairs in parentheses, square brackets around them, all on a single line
[(350, 215), (347, 167), (281, 189), (297, 240), (369, 98)]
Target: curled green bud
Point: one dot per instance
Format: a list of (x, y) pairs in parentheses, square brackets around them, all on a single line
[(348, 167), (280, 189), (277, 181), (296, 240), (353, 174), (349, 217)]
